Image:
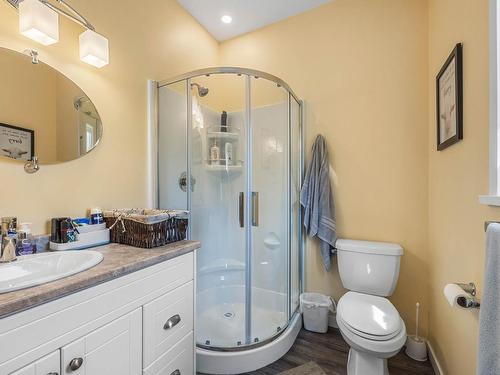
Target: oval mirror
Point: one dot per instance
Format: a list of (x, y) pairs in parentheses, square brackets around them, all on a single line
[(42, 112)]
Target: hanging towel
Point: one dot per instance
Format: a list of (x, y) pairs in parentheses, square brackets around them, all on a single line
[(489, 316), (317, 199)]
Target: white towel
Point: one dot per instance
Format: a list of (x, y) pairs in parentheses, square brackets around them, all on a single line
[(489, 316)]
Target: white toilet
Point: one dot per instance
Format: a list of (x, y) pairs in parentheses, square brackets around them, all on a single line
[(369, 323)]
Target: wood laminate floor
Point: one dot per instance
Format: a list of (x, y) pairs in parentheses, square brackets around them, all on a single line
[(329, 351)]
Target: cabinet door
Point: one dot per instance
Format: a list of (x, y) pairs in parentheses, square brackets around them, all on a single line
[(115, 349), (48, 365)]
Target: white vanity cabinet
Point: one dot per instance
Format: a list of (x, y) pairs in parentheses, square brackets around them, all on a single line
[(138, 324)]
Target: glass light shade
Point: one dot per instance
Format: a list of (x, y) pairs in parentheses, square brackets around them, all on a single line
[(94, 49), (38, 22)]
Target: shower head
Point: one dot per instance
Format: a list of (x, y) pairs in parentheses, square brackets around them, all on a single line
[(202, 91)]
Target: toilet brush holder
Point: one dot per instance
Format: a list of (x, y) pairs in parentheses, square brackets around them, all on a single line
[(416, 348)]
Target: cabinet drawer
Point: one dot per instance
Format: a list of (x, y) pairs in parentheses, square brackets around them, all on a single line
[(166, 320), (50, 364), (177, 361)]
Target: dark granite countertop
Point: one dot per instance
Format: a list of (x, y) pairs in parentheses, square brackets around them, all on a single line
[(119, 260)]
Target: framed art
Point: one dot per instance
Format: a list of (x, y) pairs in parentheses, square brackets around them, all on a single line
[(449, 100), (17, 143)]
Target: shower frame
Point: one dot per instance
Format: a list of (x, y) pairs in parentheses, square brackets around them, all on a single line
[(153, 139)]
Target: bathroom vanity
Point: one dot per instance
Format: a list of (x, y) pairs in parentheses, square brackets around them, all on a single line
[(133, 313)]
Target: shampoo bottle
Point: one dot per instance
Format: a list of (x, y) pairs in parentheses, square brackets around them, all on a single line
[(228, 151), (223, 121), (214, 154)]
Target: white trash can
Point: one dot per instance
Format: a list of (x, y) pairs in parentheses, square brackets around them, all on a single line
[(315, 308)]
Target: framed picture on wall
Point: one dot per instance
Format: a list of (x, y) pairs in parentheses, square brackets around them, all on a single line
[(449, 100), (17, 143)]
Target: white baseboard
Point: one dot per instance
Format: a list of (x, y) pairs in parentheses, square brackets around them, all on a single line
[(434, 361)]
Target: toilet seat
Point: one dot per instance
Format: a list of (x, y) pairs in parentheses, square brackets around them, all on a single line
[(370, 317)]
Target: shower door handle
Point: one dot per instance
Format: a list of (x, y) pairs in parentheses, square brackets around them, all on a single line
[(255, 209), (241, 209)]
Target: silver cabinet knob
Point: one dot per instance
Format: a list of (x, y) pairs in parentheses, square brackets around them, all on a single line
[(171, 323), (75, 364), (176, 372)]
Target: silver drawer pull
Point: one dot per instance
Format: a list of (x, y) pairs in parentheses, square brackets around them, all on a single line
[(176, 372), (171, 323), (75, 364), (53, 373)]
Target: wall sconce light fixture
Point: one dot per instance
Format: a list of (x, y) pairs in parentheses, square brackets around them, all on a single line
[(39, 21)]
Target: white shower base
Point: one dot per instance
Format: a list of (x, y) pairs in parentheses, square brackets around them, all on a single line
[(237, 362), (221, 315), (223, 326), (217, 362)]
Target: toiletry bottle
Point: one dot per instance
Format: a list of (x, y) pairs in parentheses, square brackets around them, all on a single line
[(223, 122), (8, 249), (9, 226), (12, 227), (5, 226), (215, 154), (96, 216), (228, 151), (25, 244)]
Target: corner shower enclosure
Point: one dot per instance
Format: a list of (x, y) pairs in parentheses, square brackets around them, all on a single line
[(230, 152)]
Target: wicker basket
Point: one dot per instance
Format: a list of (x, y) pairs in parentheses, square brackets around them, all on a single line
[(146, 228)]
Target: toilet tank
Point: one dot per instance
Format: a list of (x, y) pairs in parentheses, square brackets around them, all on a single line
[(369, 267)]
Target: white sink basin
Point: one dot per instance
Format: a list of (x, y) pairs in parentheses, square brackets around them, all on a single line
[(31, 270)]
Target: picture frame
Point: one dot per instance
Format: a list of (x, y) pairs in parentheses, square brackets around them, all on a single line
[(16, 142), (449, 100)]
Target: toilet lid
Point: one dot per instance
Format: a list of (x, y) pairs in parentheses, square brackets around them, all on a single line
[(369, 316)]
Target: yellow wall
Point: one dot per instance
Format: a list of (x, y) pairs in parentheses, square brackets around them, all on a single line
[(144, 44), (457, 176), (361, 66), (366, 70)]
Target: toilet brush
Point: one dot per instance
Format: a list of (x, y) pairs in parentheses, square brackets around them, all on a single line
[(415, 345)]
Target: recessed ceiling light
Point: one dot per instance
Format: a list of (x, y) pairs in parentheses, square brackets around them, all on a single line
[(226, 18)]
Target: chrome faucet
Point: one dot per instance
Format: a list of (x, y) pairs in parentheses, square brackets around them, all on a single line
[(8, 249)]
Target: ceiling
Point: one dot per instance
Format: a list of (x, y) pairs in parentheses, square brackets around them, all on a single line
[(247, 15)]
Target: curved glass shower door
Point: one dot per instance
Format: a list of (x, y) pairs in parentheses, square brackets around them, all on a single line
[(218, 165), (237, 137), (269, 209)]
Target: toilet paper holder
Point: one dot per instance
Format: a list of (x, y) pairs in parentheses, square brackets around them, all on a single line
[(487, 223), (468, 302)]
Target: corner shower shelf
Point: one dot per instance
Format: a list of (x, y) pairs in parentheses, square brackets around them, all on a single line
[(223, 135), (221, 139), (224, 168)]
